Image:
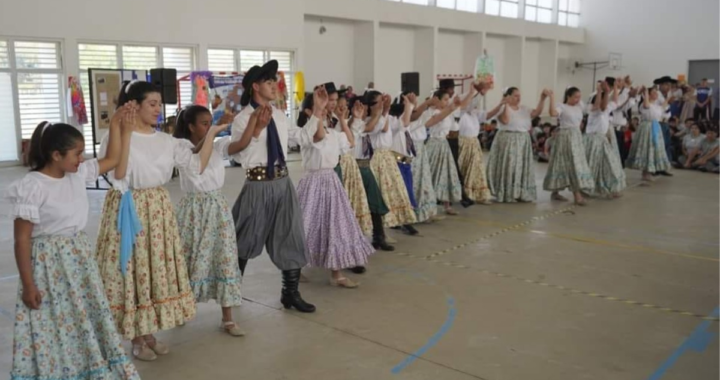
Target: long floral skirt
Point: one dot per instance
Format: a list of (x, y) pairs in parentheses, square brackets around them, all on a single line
[(334, 238), (207, 232), (422, 184), (510, 171), (353, 183), (155, 293), (444, 171), (648, 149), (392, 187), (72, 336), (568, 167), (472, 169), (605, 166)]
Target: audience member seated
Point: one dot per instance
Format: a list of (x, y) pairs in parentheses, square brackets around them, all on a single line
[(690, 147), (487, 135), (709, 152)]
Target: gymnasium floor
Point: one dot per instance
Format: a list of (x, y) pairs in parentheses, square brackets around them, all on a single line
[(613, 291)]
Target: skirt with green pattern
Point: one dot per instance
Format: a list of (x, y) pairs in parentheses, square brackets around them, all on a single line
[(510, 169), (568, 166)]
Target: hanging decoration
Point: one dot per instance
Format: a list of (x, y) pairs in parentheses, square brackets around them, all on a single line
[(299, 86), (281, 101), (77, 100)]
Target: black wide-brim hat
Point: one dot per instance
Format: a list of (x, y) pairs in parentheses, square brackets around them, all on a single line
[(665, 79), (330, 88), (254, 75)]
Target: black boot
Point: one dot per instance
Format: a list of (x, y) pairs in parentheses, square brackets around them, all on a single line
[(358, 270), (290, 294), (410, 230), (242, 263), (379, 234)]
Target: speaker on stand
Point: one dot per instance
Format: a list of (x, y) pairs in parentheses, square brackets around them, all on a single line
[(166, 81), (410, 82)]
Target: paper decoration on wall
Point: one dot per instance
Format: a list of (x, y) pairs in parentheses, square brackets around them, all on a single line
[(299, 86), (77, 101), (281, 101), (485, 70)]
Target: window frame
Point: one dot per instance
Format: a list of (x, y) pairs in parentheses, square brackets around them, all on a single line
[(13, 71), (518, 3), (567, 13), (537, 8)]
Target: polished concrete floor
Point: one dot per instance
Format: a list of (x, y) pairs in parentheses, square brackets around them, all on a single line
[(612, 291)]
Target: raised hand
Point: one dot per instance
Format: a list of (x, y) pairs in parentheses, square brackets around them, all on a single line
[(320, 97), (412, 98), (342, 112), (263, 117), (215, 129), (628, 81)]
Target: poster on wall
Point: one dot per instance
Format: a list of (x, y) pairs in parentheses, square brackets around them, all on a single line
[(220, 92), (485, 70)]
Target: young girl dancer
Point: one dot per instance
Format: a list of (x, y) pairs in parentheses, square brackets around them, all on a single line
[(446, 181), (511, 175), (403, 146), (334, 238), (648, 148), (470, 161), (384, 164), (138, 247), (426, 210), (602, 157), (63, 324), (568, 168), (205, 223)]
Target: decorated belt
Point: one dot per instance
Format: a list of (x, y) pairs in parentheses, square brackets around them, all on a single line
[(363, 163), (453, 135), (260, 173), (402, 159)]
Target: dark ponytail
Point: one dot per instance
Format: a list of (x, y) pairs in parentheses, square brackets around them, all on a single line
[(307, 104), (510, 91), (188, 116), (135, 90), (48, 138), (569, 93)]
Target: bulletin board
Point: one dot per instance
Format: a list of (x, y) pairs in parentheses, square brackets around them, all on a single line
[(105, 87)]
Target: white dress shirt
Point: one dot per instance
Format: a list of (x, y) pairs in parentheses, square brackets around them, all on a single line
[(323, 154), (599, 120), (256, 153)]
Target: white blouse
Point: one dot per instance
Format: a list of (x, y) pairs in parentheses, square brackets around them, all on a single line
[(570, 116), (654, 112), (357, 127), (345, 147), (470, 123), (255, 154), (324, 154), (399, 143), (518, 120), (213, 177), (56, 206), (599, 121), (152, 159), (418, 130), (380, 139), (441, 129)]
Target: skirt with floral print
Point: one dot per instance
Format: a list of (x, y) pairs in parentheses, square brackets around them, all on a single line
[(353, 183), (568, 167), (207, 231), (333, 236), (423, 184), (472, 168), (444, 171), (155, 293), (72, 336), (393, 190), (647, 152), (604, 163), (510, 171)]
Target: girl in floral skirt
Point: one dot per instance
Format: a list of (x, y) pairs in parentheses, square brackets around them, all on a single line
[(205, 223), (63, 325)]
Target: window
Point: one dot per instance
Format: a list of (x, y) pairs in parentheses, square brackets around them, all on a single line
[(418, 2), (504, 8), (449, 4), (467, 5), (569, 13), (182, 60), (539, 10), (229, 60), (31, 90)]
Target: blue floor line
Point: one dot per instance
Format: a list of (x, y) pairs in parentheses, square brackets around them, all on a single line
[(698, 341)]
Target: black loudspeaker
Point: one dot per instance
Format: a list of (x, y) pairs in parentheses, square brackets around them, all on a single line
[(166, 81), (410, 82)]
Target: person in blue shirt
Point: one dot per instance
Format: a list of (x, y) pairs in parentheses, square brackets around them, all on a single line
[(704, 98)]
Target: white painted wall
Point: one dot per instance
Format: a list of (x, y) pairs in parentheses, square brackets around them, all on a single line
[(655, 37), (496, 48), (451, 53), (395, 54), (329, 57), (530, 75)]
